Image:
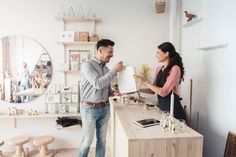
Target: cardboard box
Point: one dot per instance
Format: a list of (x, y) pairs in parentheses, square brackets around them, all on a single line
[(93, 38), (82, 36)]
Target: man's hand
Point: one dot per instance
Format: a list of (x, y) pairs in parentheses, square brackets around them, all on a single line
[(117, 93), (119, 66)]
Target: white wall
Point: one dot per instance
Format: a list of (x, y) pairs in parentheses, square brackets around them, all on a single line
[(213, 72), (133, 25)]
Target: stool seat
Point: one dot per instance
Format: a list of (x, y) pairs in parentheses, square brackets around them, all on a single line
[(43, 140), (19, 140), (1, 142)]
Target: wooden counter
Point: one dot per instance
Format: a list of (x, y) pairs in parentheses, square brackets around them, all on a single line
[(130, 140)]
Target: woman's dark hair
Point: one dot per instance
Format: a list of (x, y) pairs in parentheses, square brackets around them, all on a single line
[(105, 43), (175, 58)]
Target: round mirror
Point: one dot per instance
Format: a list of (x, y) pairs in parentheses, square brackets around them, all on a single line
[(25, 69)]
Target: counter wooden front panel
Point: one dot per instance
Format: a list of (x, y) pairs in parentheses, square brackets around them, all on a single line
[(129, 140)]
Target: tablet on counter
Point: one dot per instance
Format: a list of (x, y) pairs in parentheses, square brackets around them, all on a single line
[(147, 122)]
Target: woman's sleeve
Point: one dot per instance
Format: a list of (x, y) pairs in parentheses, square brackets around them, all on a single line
[(171, 81)]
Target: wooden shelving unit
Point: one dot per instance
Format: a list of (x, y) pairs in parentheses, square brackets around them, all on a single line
[(71, 45)]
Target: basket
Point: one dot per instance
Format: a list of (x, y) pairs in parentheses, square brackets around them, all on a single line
[(160, 6)]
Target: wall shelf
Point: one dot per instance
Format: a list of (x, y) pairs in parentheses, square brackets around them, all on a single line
[(76, 43), (194, 21), (59, 127), (75, 19), (70, 71), (42, 115), (212, 47)]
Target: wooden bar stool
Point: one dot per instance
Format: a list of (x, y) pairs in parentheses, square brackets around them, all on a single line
[(43, 141), (19, 141), (1, 143)]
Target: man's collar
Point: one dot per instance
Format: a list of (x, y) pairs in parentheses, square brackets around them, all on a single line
[(99, 62)]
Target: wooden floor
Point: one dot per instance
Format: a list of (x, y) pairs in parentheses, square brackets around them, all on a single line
[(64, 153)]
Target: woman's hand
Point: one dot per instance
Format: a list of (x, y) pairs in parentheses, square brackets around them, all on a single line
[(117, 93), (139, 78)]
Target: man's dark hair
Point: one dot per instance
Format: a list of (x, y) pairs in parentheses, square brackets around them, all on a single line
[(105, 43)]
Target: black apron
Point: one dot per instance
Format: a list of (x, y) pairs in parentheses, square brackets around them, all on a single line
[(164, 102)]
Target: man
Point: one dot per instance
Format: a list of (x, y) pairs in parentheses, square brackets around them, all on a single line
[(96, 89)]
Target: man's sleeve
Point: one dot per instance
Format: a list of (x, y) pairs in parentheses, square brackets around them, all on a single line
[(93, 77)]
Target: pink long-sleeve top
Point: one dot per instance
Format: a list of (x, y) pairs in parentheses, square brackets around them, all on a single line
[(172, 81)]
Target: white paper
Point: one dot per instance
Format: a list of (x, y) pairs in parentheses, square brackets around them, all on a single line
[(126, 81)]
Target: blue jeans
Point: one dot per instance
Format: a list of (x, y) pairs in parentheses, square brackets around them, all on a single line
[(94, 119)]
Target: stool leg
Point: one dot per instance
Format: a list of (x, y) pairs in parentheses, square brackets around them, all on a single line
[(19, 151), (44, 152)]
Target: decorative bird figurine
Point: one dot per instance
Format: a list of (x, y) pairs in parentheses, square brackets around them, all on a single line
[(189, 16)]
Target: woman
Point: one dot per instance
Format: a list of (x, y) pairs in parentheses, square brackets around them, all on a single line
[(167, 79)]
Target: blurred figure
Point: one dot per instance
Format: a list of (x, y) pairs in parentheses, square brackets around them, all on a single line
[(49, 70), (24, 81)]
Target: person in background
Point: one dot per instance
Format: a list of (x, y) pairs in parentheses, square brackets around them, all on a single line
[(49, 70), (24, 82), (96, 88), (167, 80)]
